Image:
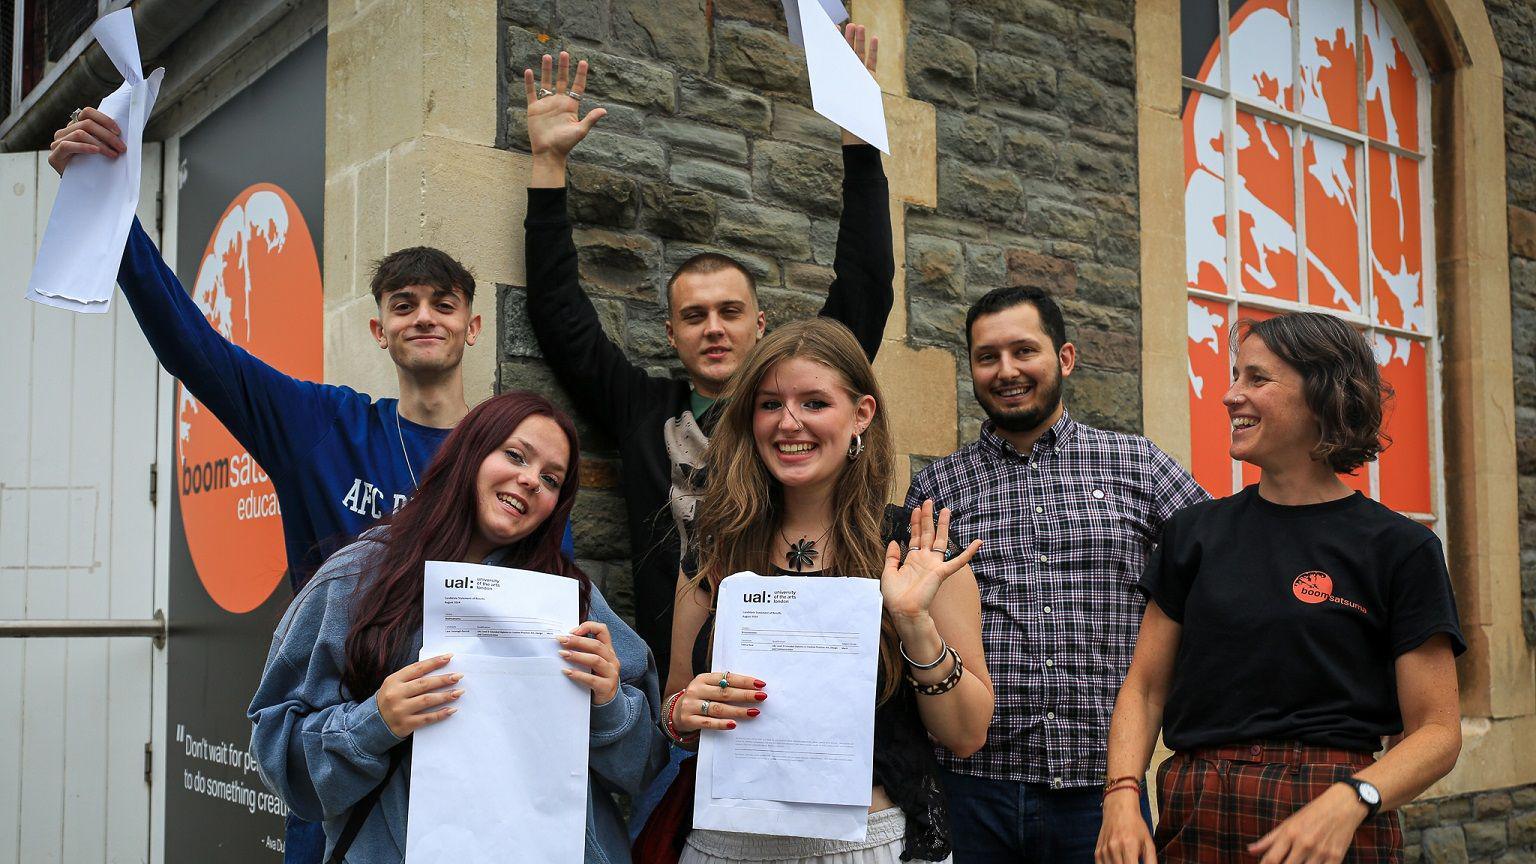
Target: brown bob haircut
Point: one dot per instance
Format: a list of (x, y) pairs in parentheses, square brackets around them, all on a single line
[(1340, 381), (420, 265)]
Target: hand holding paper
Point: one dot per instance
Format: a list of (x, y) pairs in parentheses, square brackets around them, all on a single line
[(842, 88), (76, 267)]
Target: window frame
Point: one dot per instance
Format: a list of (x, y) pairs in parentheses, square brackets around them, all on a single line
[(1299, 125)]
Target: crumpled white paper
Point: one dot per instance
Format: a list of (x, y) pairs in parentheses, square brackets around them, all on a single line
[(77, 263)]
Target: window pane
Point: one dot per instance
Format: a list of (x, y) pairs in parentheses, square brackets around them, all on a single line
[(1205, 194), (1329, 71), (1266, 208), (1391, 88), (1201, 35), (1333, 230), (1261, 51), (1397, 271), (1210, 371), (1405, 466)]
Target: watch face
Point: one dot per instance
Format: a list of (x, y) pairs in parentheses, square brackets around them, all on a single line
[(1368, 793)]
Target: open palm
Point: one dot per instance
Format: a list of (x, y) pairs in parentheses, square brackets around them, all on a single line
[(554, 124), (908, 587)]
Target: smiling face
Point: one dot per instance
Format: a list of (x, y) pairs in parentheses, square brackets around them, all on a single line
[(1016, 370), (803, 419), (519, 483), (714, 321), (425, 329), (1272, 425)]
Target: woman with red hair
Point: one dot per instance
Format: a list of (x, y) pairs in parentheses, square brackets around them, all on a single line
[(342, 690)]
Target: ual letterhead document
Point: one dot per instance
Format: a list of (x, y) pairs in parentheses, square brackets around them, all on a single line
[(809, 757), (509, 769)]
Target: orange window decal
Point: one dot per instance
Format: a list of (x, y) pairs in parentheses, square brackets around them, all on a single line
[(1397, 270), (1261, 51), (1210, 373), (1266, 208), (1332, 230), (1391, 87), (259, 286), (1404, 471), (1328, 66), (1205, 195)]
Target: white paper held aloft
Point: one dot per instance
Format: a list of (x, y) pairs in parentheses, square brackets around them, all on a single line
[(842, 90)]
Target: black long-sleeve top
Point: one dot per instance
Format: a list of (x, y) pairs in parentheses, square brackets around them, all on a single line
[(636, 408)]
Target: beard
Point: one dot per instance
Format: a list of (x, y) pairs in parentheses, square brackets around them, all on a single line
[(1028, 418)]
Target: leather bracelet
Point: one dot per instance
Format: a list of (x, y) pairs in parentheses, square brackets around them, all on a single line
[(944, 686), (1111, 781), (1122, 785), (943, 652)]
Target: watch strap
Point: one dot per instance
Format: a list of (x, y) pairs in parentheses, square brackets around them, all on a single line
[(1372, 808)]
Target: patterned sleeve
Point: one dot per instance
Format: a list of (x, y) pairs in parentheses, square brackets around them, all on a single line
[(1172, 489)]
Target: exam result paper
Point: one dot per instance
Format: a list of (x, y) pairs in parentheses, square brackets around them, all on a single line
[(816, 641), (496, 611)]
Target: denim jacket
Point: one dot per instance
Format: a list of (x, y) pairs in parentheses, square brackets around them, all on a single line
[(322, 750)]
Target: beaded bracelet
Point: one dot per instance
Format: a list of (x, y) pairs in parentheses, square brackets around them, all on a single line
[(670, 729), (944, 686)]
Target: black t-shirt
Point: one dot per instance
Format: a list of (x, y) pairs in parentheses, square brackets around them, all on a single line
[(1293, 617)]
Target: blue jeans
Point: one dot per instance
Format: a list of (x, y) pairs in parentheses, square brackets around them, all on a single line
[(1023, 823), (640, 807), (303, 842)]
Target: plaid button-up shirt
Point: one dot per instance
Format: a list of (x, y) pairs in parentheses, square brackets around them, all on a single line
[(1068, 528)]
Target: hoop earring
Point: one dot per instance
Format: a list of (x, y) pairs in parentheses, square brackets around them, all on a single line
[(856, 447)]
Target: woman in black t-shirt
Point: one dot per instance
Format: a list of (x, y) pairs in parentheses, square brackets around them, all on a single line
[(799, 470), (1293, 626)]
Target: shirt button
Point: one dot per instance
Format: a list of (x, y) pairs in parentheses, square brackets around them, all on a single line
[(1254, 749), (1050, 715), (1055, 782), (1047, 610), (1044, 560), (1098, 493), (1039, 509), (1050, 662)]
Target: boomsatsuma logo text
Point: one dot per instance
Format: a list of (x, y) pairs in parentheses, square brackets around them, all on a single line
[(259, 286), (1315, 586)]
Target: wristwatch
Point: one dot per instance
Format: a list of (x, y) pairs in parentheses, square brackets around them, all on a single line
[(1369, 795)]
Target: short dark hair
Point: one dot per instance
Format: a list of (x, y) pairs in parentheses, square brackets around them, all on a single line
[(1340, 381), (1001, 299), (420, 265), (705, 263)]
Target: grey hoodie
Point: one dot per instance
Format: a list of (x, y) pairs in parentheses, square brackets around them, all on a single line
[(321, 749)]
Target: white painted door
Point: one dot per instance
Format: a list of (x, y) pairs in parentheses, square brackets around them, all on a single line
[(78, 397)]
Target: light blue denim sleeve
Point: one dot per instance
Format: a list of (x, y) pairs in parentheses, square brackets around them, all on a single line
[(628, 748), (318, 749)]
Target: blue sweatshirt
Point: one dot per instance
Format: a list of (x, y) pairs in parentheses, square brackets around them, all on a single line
[(322, 749), (337, 459)]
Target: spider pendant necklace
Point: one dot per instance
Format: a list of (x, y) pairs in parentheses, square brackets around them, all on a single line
[(801, 554)]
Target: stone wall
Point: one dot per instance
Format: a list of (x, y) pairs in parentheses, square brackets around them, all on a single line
[(710, 144), (1037, 182), (1493, 827), (1514, 26)]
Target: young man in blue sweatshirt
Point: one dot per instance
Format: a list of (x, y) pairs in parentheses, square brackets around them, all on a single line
[(338, 459)]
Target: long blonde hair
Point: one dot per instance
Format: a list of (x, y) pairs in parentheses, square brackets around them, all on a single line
[(741, 510)]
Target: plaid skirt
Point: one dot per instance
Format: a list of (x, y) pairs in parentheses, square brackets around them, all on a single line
[(1212, 802)]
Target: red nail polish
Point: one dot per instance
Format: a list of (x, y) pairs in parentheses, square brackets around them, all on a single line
[(758, 684), (753, 712), (759, 695), (730, 724)]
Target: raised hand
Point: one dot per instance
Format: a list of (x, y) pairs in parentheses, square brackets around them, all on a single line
[(868, 49), (90, 132), (410, 698), (908, 587), (554, 126), (590, 646)]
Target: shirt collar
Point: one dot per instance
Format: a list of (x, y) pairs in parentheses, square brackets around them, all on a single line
[(1052, 441)]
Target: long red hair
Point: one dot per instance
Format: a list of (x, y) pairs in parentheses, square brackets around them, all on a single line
[(437, 524)]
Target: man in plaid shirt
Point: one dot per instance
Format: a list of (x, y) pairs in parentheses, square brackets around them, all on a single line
[(1069, 514)]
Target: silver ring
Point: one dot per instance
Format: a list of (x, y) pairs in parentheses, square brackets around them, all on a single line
[(74, 115), (573, 94), (704, 707), (545, 91)]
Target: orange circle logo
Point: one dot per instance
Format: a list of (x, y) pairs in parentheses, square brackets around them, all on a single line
[(1313, 586), (259, 286)]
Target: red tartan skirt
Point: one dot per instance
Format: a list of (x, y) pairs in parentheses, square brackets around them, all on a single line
[(1213, 802)]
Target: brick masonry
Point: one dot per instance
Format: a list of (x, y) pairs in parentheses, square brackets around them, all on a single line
[(1514, 27)]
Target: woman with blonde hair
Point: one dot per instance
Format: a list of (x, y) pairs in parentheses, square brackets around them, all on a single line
[(799, 470)]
